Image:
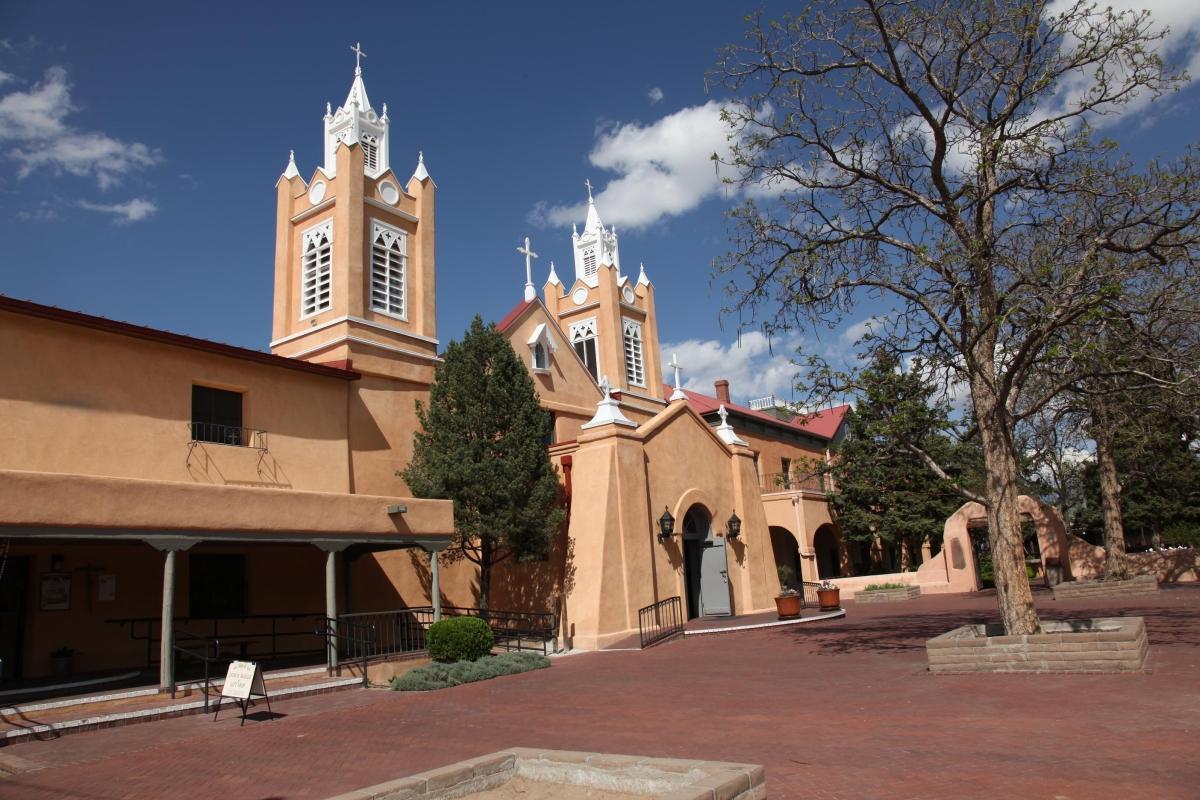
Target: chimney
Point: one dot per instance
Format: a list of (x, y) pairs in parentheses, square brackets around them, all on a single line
[(722, 387)]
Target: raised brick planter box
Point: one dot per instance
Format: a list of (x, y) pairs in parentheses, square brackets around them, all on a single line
[(639, 776), (1107, 644), (887, 595), (1082, 590)]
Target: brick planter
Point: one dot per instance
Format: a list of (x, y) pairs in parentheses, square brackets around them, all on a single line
[(1082, 590), (639, 776), (1106, 644), (887, 595)]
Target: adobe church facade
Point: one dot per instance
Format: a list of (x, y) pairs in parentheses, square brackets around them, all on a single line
[(151, 481)]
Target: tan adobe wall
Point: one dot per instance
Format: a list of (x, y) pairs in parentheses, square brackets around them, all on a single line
[(77, 400)]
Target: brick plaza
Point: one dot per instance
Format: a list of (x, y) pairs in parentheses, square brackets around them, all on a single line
[(843, 709)]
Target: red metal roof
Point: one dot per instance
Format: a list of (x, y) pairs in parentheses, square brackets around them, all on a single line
[(514, 315), (822, 424), (166, 337)]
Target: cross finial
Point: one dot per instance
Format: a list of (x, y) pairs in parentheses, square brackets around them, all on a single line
[(529, 256), (587, 182), (678, 393), (358, 55), (723, 414), (605, 387)]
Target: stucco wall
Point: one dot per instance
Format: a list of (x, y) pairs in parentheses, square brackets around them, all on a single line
[(78, 400)]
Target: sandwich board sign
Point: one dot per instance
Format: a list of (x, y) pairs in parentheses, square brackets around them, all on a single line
[(243, 682)]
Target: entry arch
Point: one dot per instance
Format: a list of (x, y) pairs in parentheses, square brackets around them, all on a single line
[(827, 545), (786, 549)]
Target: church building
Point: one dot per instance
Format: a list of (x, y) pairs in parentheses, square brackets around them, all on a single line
[(154, 486)]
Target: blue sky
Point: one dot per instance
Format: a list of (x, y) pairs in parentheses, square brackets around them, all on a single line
[(140, 144)]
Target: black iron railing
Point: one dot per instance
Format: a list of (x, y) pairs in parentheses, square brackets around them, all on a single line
[(403, 630), (791, 482), (206, 650), (228, 434), (257, 637), (515, 630), (660, 621), (808, 594), (392, 632), (347, 640)]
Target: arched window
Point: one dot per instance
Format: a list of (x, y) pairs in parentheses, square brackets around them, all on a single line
[(635, 365), (389, 264), (316, 266)]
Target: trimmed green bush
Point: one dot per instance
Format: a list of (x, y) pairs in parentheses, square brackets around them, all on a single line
[(442, 676), (873, 587), (459, 639)]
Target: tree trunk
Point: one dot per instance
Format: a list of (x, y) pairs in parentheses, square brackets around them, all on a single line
[(486, 554), (1115, 566), (1017, 611)]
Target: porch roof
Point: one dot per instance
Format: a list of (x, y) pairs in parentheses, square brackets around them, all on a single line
[(47, 504)]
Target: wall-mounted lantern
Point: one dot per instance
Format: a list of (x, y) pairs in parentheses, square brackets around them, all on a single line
[(666, 525), (734, 526)]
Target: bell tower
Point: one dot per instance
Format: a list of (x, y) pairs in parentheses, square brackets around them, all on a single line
[(608, 318), (354, 250)]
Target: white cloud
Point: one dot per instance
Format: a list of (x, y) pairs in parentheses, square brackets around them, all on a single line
[(755, 369), (132, 211), (5, 77), (34, 123), (663, 168), (655, 95), (1180, 48)]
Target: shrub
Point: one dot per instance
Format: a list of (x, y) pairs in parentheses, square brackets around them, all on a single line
[(442, 676), (1181, 533), (871, 587), (459, 639)]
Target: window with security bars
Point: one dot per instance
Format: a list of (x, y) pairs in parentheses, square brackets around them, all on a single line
[(389, 262), (589, 263), (635, 366), (317, 270), (370, 153)]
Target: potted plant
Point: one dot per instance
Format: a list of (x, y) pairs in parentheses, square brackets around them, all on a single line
[(60, 660), (787, 602), (829, 596)]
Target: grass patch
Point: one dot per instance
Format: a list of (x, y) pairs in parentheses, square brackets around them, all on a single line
[(442, 676), (877, 587)]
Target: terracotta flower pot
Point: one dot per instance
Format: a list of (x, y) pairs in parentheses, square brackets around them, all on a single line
[(788, 606), (829, 599)]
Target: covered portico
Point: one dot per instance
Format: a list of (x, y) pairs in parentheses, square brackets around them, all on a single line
[(46, 512)]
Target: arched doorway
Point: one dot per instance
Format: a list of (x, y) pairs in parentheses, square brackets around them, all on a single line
[(787, 552), (705, 570), (829, 555)]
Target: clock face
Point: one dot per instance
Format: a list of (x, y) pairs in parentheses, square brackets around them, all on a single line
[(316, 193), (389, 193), (628, 294), (579, 296)]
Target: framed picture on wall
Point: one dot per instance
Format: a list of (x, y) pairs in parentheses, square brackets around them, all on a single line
[(56, 591)]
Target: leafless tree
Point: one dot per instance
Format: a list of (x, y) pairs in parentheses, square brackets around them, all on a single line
[(941, 154)]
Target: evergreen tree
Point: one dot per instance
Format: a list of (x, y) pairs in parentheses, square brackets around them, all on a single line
[(882, 486), (482, 444), (1159, 470)]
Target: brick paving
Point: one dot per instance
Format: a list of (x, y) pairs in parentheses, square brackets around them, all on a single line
[(843, 709)]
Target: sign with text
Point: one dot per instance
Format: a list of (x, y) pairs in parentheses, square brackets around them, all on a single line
[(243, 679)]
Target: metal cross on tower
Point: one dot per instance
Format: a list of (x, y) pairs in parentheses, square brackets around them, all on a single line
[(358, 54), (529, 256), (587, 182), (678, 393)]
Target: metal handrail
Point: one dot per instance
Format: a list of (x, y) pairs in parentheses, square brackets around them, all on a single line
[(785, 482), (202, 655), (234, 435), (660, 621), (147, 629), (360, 635)]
